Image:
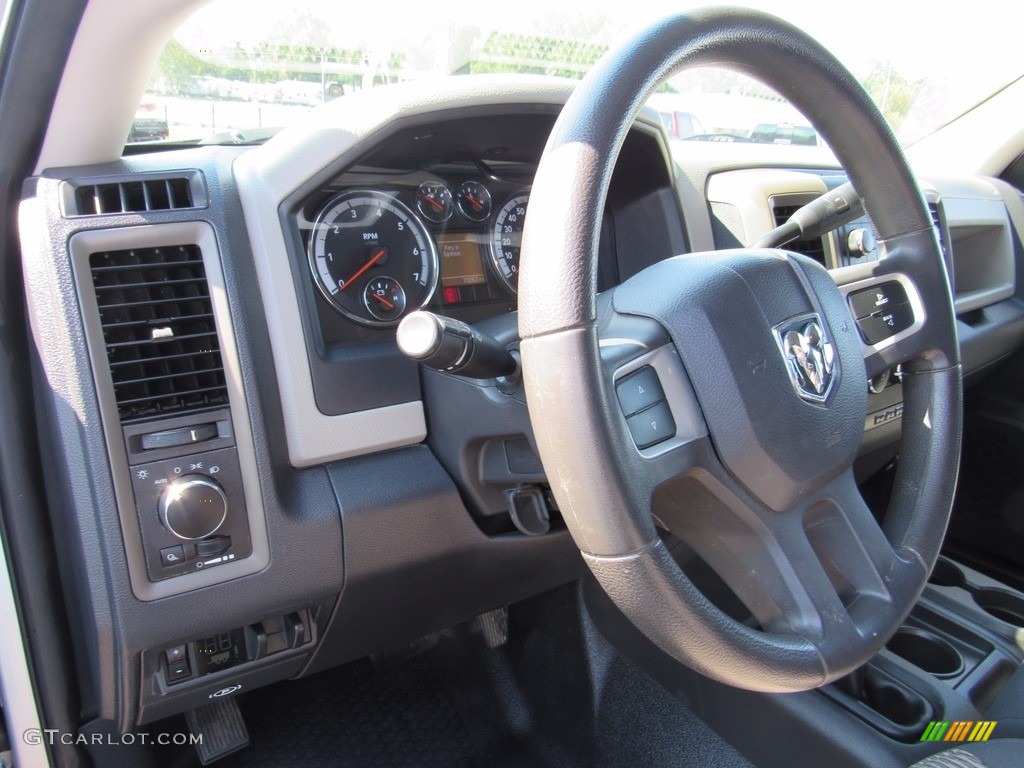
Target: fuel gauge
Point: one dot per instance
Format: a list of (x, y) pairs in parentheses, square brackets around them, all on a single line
[(434, 201)]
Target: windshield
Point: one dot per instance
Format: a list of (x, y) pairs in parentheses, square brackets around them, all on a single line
[(237, 70)]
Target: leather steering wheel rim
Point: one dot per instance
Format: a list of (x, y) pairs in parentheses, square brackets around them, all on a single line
[(604, 487)]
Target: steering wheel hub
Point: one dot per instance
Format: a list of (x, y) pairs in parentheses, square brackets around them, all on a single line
[(724, 313)]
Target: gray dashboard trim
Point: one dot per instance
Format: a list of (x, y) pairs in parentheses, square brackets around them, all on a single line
[(81, 246), (752, 191), (267, 175)]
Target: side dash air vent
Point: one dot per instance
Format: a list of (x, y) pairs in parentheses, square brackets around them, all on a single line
[(159, 330), (132, 195), (813, 248)]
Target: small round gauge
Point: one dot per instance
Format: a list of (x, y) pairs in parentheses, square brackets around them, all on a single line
[(384, 298), (434, 201), (474, 201), (507, 239), (367, 244)]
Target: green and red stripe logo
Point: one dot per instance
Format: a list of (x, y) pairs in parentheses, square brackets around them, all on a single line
[(958, 730)]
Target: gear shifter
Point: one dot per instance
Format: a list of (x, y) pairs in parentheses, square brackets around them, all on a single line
[(453, 346)]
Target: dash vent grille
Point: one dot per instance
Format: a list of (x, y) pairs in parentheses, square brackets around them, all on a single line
[(813, 248), (133, 196), (159, 330)]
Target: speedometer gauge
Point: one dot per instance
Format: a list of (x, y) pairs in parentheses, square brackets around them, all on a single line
[(507, 239), (371, 258)]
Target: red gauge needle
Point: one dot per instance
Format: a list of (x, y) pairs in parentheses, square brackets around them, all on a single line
[(362, 270), (476, 204), (383, 301), (438, 206)]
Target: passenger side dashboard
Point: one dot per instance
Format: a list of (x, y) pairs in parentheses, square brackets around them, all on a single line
[(975, 232)]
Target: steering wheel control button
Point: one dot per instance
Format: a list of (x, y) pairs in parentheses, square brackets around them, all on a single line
[(639, 390), (193, 507), (878, 298), (653, 426), (171, 556), (885, 324)]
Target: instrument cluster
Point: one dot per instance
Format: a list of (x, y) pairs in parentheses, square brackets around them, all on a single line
[(379, 251)]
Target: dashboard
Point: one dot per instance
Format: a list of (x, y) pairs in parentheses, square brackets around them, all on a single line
[(359, 502)]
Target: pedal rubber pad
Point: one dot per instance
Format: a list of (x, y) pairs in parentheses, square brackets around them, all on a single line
[(222, 728)]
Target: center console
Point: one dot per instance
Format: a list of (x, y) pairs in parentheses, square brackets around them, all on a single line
[(950, 662), (952, 673)]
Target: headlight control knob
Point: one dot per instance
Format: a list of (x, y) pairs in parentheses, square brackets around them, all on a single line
[(193, 507)]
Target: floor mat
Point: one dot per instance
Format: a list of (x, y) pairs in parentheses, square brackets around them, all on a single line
[(556, 696), (356, 717)]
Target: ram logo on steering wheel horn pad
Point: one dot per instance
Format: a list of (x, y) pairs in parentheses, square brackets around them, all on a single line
[(809, 356)]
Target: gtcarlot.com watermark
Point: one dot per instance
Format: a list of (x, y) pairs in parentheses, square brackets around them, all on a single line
[(52, 737)]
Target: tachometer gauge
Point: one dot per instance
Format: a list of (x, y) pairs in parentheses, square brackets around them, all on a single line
[(507, 239), (372, 259)]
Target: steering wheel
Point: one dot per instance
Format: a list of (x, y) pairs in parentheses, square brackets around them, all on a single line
[(760, 382)]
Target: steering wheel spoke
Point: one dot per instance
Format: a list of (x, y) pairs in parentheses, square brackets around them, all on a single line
[(889, 300), (822, 570)]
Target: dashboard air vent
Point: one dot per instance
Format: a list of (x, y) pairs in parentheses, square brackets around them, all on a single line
[(133, 196), (813, 248), (159, 330)]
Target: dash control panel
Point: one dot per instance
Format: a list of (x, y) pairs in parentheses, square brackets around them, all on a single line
[(191, 505), (225, 650)]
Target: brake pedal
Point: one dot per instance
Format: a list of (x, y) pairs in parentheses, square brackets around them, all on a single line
[(220, 727)]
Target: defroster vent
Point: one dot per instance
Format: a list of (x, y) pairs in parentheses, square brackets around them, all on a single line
[(159, 330)]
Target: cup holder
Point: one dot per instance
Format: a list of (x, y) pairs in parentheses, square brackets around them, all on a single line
[(946, 574), (1004, 605), (927, 651)]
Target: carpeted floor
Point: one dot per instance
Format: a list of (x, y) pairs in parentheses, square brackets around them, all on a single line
[(556, 696)]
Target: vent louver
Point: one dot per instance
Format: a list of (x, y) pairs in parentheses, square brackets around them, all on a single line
[(133, 196), (813, 248), (159, 330)]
